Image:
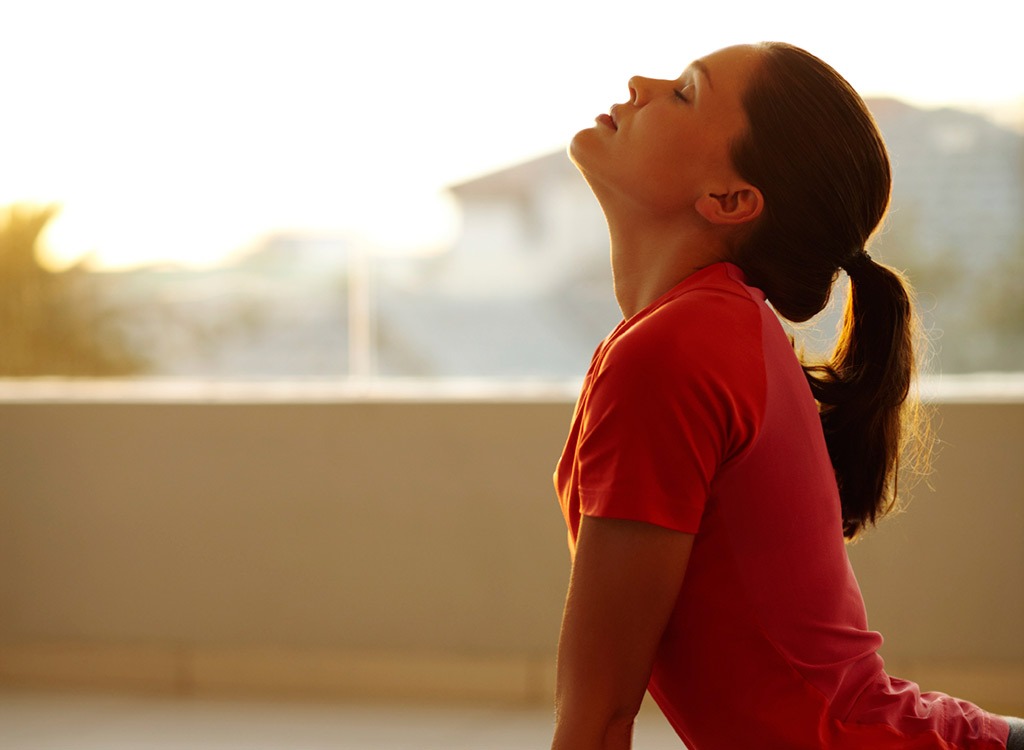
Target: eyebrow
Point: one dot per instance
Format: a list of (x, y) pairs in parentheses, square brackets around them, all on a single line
[(699, 65)]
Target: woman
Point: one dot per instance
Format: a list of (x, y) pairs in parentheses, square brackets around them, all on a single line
[(709, 478)]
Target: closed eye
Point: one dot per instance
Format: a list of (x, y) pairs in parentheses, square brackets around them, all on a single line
[(683, 93)]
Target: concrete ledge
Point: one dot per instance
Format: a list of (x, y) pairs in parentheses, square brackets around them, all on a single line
[(137, 668), (280, 672), (326, 673), (371, 675)]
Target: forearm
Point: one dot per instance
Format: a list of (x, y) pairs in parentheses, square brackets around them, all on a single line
[(599, 683), (586, 732), (624, 583)]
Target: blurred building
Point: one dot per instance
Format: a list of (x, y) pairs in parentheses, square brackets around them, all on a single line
[(525, 290)]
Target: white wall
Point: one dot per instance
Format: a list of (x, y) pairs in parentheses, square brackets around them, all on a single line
[(406, 547)]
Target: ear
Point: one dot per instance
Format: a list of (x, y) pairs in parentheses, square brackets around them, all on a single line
[(733, 207)]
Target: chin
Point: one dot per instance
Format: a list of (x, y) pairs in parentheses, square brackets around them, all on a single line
[(580, 148)]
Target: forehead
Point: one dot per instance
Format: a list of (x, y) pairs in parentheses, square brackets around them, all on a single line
[(732, 65)]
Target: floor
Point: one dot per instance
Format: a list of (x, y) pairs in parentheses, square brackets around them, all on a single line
[(89, 721)]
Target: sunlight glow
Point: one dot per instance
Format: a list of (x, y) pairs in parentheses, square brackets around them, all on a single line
[(181, 131)]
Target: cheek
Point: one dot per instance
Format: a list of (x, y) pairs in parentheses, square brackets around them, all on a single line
[(700, 159), (672, 162)]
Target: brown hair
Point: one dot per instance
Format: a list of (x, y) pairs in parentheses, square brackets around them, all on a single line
[(814, 151)]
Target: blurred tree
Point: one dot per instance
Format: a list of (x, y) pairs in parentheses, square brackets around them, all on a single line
[(53, 323)]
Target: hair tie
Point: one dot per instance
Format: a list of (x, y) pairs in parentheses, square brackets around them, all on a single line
[(859, 259)]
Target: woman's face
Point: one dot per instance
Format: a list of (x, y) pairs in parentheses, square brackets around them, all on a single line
[(670, 143)]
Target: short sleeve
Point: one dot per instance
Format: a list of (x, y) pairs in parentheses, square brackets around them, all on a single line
[(675, 397)]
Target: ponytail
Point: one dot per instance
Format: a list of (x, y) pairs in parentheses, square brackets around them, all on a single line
[(815, 152), (863, 390)]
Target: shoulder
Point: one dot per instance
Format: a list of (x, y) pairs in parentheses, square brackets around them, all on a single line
[(704, 327), (684, 378)]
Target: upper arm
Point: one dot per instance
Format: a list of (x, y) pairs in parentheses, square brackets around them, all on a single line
[(625, 580), (674, 398)]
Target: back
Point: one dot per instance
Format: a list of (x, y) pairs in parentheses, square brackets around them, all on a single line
[(696, 415), (770, 616)]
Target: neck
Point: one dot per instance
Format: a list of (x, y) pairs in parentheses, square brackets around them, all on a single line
[(649, 258)]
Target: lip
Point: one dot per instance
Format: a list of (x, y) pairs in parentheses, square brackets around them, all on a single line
[(614, 116), (609, 120)]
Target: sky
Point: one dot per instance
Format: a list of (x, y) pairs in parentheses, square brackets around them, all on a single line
[(185, 131)]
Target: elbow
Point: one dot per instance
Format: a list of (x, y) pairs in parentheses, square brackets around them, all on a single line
[(593, 726)]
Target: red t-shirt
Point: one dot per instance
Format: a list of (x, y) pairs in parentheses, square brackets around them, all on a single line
[(695, 415)]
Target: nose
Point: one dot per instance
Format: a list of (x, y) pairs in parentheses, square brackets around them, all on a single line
[(639, 90)]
